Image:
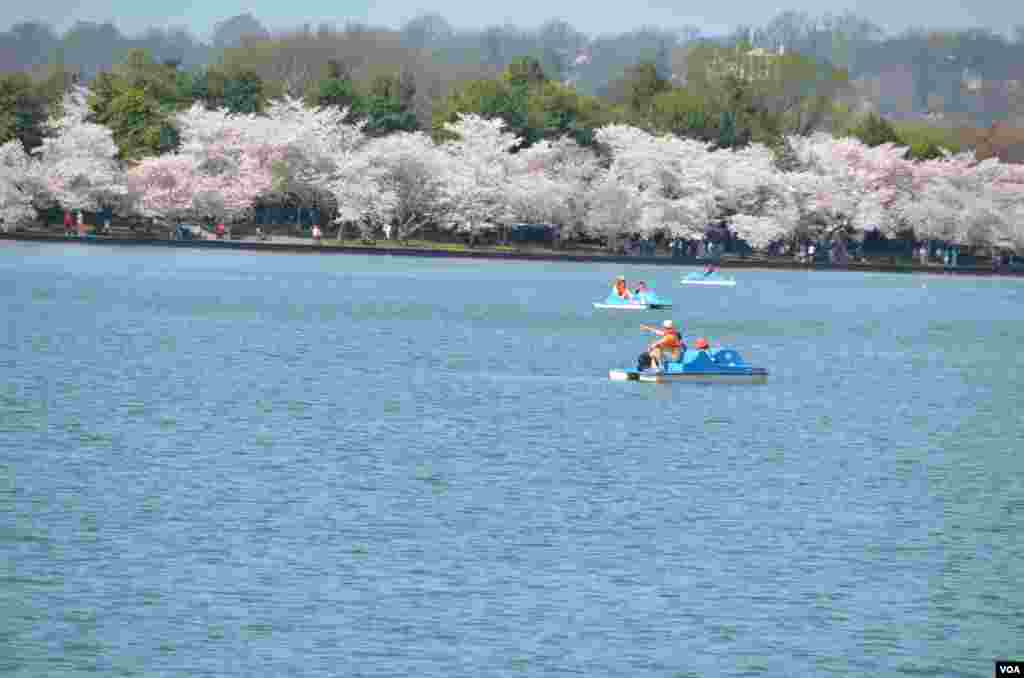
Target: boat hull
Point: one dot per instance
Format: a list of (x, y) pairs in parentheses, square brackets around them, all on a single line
[(634, 307), (709, 283), (753, 375)]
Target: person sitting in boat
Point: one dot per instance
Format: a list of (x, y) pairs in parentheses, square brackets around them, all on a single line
[(670, 346), (702, 344), (641, 291), (621, 290), (710, 270)]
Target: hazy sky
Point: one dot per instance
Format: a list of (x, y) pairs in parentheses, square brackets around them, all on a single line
[(589, 16)]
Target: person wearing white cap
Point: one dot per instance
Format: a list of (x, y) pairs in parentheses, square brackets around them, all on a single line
[(670, 345)]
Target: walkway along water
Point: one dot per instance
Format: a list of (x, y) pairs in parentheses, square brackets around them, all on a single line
[(307, 246)]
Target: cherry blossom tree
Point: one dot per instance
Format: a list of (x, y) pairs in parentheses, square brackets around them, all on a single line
[(1011, 235), (398, 180), (641, 183), (761, 231), (164, 187), (16, 185), (959, 200), (850, 185), (222, 183), (78, 165), (670, 179), (480, 172), (552, 183), (760, 203), (1007, 191), (306, 143), (354, 184), (614, 210), (224, 163)]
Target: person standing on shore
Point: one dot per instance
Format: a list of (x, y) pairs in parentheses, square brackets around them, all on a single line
[(317, 235), (68, 222)]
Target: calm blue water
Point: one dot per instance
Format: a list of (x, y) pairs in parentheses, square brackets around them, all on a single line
[(235, 464)]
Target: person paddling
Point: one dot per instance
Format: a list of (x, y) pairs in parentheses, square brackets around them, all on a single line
[(621, 290), (669, 345)]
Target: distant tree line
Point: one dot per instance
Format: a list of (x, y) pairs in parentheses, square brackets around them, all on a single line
[(544, 83)]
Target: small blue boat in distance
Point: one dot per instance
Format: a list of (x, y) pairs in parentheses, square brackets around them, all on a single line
[(644, 301), (706, 366), (715, 278)]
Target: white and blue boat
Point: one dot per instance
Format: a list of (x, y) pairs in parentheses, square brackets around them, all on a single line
[(705, 366), (643, 301), (714, 278)]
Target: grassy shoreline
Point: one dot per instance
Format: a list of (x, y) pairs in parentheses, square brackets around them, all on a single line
[(419, 248)]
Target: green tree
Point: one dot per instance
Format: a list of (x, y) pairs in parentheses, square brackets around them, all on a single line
[(924, 150), (488, 99), (388, 105), (786, 159), (770, 95), (525, 72), (136, 101), (643, 84), (531, 106), (141, 126), (336, 88), (243, 92), (727, 134), (23, 110), (208, 87), (555, 110), (681, 112), (874, 130)]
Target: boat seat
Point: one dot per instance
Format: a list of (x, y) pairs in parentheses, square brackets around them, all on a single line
[(673, 366), (728, 356)]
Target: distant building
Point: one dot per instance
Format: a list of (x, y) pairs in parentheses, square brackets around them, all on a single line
[(755, 64)]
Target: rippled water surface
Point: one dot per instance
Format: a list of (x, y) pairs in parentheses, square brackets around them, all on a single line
[(233, 464)]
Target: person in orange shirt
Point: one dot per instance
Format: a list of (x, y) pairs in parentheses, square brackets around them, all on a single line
[(670, 345), (621, 289)]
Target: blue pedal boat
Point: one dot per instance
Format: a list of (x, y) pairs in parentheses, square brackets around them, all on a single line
[(722, 365), (645, 301), (714, 279)]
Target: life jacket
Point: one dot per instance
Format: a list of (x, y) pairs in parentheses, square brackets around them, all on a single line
[(620, 288), (671, 339)]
